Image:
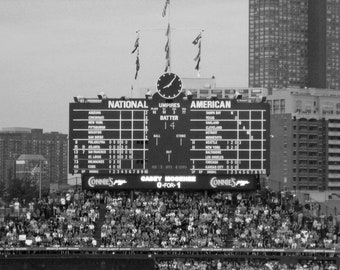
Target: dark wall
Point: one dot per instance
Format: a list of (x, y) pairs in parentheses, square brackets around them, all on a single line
[(81, 263)]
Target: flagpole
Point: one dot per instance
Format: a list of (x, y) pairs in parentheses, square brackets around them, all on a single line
[(40, 180), (169, 36)]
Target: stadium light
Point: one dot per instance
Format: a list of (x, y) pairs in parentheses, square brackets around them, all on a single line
[(79, 99), (188, 95), (102, 95), (213, 97), (237, 95)]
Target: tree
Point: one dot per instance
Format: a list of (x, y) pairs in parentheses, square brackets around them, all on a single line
[(23, 189)]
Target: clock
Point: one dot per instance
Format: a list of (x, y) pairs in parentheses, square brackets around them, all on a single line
[(169, 85)]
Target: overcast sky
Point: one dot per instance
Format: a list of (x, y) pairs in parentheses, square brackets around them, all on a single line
[(52, 50)]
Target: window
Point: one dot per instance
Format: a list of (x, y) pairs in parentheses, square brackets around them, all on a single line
[(298, 105), (327, 108), (338, 108)]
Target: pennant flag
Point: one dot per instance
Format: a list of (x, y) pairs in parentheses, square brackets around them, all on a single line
[(167, 65), (167, 59), (198, 56), (167, 2), (197, 39), (136, 45), (167, 49), (197, 67), (167, 55), (137, 65), (136, 49), (168, 30)]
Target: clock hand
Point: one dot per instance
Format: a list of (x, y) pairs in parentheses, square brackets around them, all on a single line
[(169, 84)]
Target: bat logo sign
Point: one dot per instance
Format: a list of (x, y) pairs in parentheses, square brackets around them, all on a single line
[(241, 183), (119, 182)]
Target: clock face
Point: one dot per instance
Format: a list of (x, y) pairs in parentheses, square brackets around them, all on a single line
[(169, 85)]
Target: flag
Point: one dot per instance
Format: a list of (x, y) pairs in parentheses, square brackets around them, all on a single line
[(35, 170), (167, 2), (136, 45), (167, 33), (137, 65), (197, 39), (167, 65), (167, 49), (198, 56), (197, 67), (136, 49)]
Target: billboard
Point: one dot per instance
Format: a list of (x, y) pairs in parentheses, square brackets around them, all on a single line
[(171, 137), (169, 182)]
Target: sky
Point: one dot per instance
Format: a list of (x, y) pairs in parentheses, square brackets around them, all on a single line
[(53, 50)]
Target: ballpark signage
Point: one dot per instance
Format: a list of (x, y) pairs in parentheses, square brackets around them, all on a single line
[(176, 137), (203, 182)]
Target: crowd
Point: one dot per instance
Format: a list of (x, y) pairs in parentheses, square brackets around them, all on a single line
[(255, 264), (271, 221), (166, 219), (198, 219), (170, 219), (58, 221)]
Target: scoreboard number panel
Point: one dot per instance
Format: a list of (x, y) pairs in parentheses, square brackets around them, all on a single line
[(229, 137), (108, 137), (168, 134), (175, 136)]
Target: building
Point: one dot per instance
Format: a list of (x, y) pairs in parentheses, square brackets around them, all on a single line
[(305, 146), (15, 142), (206, 88), (294, 43)]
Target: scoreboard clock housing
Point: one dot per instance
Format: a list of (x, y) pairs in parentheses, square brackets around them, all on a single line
[(169, 85), (169, 137)]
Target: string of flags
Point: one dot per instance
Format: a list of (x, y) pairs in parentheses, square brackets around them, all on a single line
[(136, 49), (197, 59), (195, 42)]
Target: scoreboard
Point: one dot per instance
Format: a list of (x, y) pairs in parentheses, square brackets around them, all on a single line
[(108, 137), (229, 137), (171, 137)]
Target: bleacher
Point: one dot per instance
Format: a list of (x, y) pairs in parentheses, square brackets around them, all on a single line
[(212, 230)]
